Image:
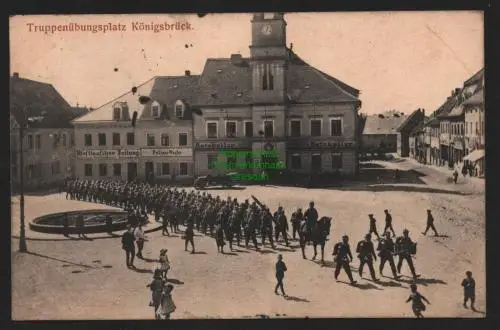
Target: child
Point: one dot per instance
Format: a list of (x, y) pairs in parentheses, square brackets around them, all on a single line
[(416, 299), (164, 264), (469, 290), (156, 287), (167, 305)]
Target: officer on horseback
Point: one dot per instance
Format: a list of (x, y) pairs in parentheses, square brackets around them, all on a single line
[(311, 216)]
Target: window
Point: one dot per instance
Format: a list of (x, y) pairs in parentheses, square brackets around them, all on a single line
[(55, 140), (296, 162), (231, 162), (116, 139), (165, 169), (268, 128), (315, 127), (64, 140), (88, 169), (164, 140), (268, 78), (130, 139), (103, 170), (150, 140), (249, 160), (336, 126), (248, 129), (316, 162), (117, 169), (212, 161), (183, 139), (116, 113), (56, 167), (30, 141), (466, 128), (183, 169), (295, 128), (155, 111), (179, 110), (477, 128), (212, 130), (88, 140), (231, 129), (336, 161), (470, 131), (101, 138), (38, 141)]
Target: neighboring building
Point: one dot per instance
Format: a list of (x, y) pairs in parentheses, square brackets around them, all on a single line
[(274, 101), (380, 133), (404, 130), (80, 111), (417, 142), (431, 131), (48, 134), (445, 127), (158, 148)]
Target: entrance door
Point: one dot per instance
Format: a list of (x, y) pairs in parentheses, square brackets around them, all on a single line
[(131, 171), (149, 171), (316, 163)]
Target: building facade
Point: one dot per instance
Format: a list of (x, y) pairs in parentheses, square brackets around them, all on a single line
[(273, 108), (380, 133), (47, 142), (157, 147), (405, 129)]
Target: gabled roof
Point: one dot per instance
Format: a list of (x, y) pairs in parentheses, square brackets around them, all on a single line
[(226, 82), (80, 111), (382, 125), (42, 103), (457, 110), (407, 120), (476, 78), (446, 107), (432, 122)]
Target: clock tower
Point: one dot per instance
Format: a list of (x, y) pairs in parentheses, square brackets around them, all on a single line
[(268, 55)]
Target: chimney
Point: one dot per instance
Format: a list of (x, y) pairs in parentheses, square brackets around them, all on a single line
[(15, 75), (187, 73), (291, 46), (236, 59)]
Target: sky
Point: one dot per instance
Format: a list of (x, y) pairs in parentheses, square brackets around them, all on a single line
[(398, 60)]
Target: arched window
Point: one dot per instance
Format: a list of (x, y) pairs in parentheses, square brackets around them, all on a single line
[(179, 108), (155, 109)]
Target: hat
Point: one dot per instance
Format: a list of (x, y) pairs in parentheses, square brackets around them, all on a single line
[(386, 210), (387, 233), (406, 231), (368, 236), (468, 273), (280, 256), (428, 210), (370, 215), (345, 237)]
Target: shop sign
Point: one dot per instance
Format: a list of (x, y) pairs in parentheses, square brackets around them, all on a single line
[(167, 152), (322, 144), (219, 145), (128, 153), (96, 154)]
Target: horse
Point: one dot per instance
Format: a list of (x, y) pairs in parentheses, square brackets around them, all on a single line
[(317, 236)]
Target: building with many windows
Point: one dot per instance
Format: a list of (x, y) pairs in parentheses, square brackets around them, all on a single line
[(273, 108), (48, 135), (380, 133), (158, 148)]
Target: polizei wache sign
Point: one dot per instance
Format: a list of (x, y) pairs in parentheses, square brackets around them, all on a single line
[(133, 153)]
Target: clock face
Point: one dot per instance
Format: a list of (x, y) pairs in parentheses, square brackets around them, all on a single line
[(266, 29)]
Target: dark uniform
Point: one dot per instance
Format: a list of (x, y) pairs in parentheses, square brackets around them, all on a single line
[(366, 255), (267, 227), (251, 226), (373, 225), (388, 222), (296, 220), (386, 250), (311, 216), (405, 248), (342, 253), (430, 224), (280, 275), (281, 227), (128, 245), (189, 237), (469, 285)]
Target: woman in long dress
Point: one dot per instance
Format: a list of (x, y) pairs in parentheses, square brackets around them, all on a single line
[(156, 287), (167, 305)]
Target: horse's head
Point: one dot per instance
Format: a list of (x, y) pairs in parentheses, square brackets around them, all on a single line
[(325, 224)]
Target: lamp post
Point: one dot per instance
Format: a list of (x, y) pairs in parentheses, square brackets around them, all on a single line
[(22, 235)]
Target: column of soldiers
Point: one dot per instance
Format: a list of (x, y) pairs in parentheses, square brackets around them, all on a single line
[(227, 220)]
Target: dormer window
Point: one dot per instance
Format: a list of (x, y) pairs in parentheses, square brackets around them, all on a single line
[(179, 109), (116, 113), (155, 110)]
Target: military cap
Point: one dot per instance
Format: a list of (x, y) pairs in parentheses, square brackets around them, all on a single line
[(345, 237), (405, 231), (368, 236)]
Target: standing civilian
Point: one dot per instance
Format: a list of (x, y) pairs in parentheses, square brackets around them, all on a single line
[(128, 239), (280, 275)]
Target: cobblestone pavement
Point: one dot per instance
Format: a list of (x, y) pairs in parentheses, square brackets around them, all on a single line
[(87, 279)]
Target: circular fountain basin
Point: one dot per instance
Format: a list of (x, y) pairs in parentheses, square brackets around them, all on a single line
[(94, 222)]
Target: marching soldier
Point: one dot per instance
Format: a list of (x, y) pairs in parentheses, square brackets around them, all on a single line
[(267, 227), (297, 217), (388, 223), (366, 255), (343, 256), (386, 250), (251, 227), (430, 224), (405, 248), (373, 225), (281, 225), (189, 237)]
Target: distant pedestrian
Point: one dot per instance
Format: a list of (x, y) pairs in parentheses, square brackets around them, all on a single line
[(80, 225), (109, 223), (388, 223), (189, 237), (128, 239), (139, 239), (164, 224), (156, 287), (464, 169), (280, 275), (469, 285), (417, 304), (455, 176), (430, 224), (373, 225), (66, 224), (167, 305)]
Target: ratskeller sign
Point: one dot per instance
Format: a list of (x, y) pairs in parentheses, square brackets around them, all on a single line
[(220, 145), (321, 144)]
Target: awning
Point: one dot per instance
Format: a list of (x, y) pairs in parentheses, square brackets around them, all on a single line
[(475, 155)]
